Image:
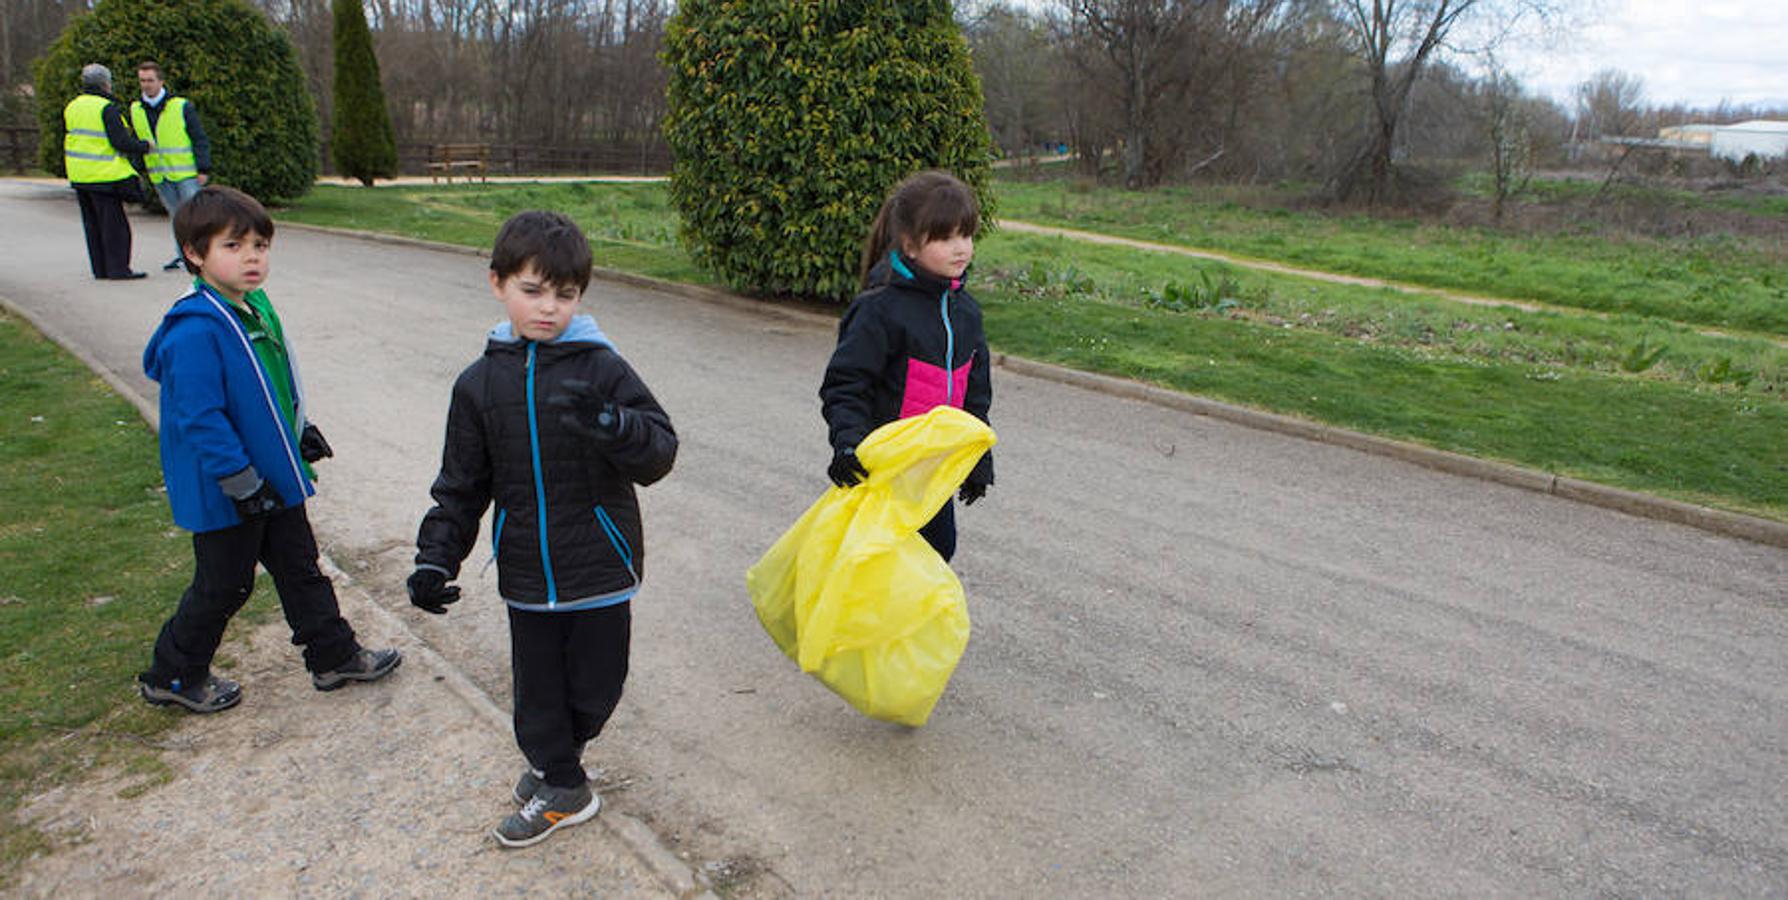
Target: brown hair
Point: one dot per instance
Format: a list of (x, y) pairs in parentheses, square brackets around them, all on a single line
[(151, 64), (928, 206), (549, 240), (218, 210)]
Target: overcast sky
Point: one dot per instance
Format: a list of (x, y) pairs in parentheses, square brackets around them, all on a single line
[(1689, 51)]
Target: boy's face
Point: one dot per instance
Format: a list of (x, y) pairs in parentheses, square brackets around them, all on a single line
[(234, 265), (538, 309)]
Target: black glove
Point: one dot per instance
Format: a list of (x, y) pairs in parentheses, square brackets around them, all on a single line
[(846, 470), (312, 446), (586, 411), (972, 490), (263, 502), (430, 592)]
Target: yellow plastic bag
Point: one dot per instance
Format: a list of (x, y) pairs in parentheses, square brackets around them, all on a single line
[(855, 595)]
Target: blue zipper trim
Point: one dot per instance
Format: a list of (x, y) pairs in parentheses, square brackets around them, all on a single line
[(496, 532), (618, 539), (546, 557), (943, 308)]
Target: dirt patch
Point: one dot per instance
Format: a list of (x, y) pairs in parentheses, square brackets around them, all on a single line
[(388, 789)]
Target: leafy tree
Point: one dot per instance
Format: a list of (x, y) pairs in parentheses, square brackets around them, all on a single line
[(362, 145), (224, 56), (791, 121)]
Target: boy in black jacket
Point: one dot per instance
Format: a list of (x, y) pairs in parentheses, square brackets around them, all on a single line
[(554, 427)]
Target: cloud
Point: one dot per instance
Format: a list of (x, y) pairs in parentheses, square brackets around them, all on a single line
[(1686, 52)]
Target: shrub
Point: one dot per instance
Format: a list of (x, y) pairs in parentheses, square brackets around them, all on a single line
[(791, 121), (224, 56), (362, 146)]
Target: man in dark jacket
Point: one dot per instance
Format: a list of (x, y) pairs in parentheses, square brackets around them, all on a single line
[(96, 145)]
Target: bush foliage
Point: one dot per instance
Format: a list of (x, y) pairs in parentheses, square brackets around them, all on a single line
[(224, 56), (791, 121), (362, 146)]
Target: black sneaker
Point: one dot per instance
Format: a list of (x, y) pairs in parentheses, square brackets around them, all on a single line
[(365, 665), (172, 264), (214, 695), (550, 809)]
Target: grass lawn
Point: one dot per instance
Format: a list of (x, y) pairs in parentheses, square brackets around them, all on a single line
[(1640, 402), (1714, 281), (90, 565)]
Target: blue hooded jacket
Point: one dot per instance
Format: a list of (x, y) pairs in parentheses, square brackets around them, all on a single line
[(219, 412)]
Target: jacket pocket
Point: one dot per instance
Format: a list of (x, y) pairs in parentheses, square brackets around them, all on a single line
[(617, 540)]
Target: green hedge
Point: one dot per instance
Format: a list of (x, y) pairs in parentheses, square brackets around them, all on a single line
[(791, 121), (225, 56)]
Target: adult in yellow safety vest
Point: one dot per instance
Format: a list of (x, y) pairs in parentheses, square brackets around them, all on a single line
[(181, 162), (96, 148)]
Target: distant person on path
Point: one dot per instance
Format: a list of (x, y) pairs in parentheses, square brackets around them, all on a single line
[(180, 162), (912, 340), (556, 428), (236, 449), (96, 145)]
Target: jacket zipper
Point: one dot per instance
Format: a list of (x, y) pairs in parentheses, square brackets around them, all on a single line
[(546, 557), (943, 308)]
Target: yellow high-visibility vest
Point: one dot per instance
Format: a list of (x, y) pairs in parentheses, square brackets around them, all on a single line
[(86, 150), (172, 159)]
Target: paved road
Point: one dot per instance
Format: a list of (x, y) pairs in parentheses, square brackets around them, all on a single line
[(1206, 660)]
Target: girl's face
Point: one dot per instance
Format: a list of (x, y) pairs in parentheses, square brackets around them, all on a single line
[(945, 257)]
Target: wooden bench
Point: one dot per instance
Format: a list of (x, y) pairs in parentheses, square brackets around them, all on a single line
[(466, 159)]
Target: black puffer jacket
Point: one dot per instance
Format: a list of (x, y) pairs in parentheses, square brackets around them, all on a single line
[(567, 532), (911, 342)]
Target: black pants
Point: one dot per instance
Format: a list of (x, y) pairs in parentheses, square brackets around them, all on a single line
[(224, 575), (108, 232), (940, 532), (569, 668)]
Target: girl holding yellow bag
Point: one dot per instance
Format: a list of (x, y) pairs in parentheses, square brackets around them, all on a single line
[(912, 340)]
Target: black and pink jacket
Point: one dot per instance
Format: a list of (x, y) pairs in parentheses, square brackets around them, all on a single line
[(911, 342)]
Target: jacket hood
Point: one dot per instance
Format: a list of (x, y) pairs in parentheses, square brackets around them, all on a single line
[(582, 330), (195, 303)]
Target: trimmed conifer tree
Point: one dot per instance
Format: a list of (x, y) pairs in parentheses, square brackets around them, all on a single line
[(791, 121), (362, 145), (236, 67)]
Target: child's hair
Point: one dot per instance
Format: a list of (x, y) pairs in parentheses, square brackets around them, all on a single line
[(218, 210), (928, 206), (550, 241)]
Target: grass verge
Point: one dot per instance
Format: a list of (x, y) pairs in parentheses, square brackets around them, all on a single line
[(1713, 281), (1630, 401), (90, 565)]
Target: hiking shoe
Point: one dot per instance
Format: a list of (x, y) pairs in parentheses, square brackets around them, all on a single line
[(529, 785), (550, 809), (365, 665), (214, 695)]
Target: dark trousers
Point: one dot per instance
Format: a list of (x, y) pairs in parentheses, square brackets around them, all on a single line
[(569, 668), (108, 232), (940, 532), (224, 575)]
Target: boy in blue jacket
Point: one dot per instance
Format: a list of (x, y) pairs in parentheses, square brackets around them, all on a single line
[(236, 450)]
